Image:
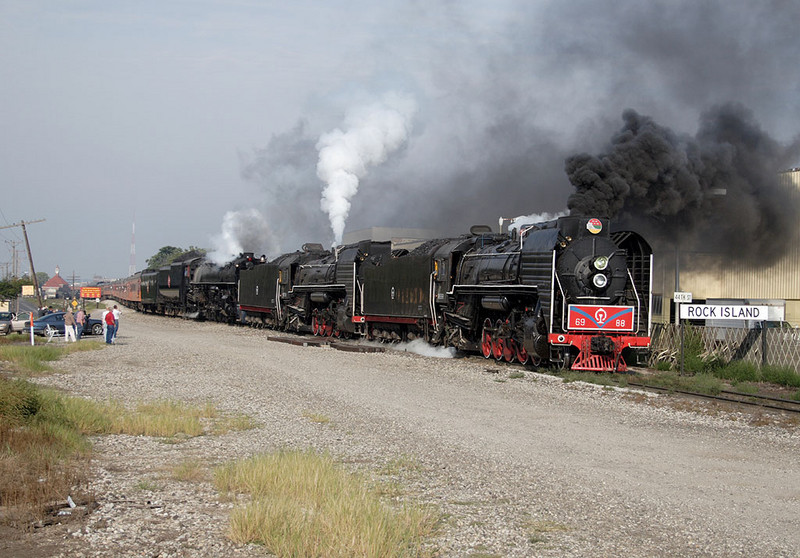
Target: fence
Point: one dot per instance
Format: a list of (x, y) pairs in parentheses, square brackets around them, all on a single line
[(771, 346)]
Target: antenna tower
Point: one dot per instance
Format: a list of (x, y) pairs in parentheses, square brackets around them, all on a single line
[(132, 266)]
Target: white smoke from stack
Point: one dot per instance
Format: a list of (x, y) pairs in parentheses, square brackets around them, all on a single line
[(372, 133), (242, 231)]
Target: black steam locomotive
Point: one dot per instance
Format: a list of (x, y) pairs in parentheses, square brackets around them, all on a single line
[(569, 292)]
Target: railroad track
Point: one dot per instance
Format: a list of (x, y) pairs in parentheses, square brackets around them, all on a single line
[(764, 401), (728, 396)]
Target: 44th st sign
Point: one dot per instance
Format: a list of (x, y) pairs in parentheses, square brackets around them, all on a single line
[(723, 312)]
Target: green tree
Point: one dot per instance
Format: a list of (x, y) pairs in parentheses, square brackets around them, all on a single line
[(42, 277), (164, 256), (12, 288)]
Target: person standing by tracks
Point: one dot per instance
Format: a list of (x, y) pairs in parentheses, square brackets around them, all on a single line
[(69, 326), (110, 323), (80, 322), (116, 311)]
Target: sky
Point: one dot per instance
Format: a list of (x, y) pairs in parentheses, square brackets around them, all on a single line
[(262, 125)]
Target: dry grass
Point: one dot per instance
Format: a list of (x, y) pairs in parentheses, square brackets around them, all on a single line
[(304, 504), (45, 452), (190, 470), (27, 359), (43, 456)]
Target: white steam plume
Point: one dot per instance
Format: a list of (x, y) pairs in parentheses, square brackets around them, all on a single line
[(517, 222), (372, 133), (242, 231)]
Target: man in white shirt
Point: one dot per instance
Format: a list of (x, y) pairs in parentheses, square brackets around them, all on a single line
[(117, 313)]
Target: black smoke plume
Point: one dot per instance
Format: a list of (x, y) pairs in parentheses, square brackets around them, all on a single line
[(716, 192)]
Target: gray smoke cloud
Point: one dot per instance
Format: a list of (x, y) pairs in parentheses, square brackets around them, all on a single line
[(716, 191), (505, 99)]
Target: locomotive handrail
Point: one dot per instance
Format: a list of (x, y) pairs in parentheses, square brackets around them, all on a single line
[(432, 300), (491, 287), (490, 254), (324, 286), (650, 300), (522, 232), (278, 298), (638, 302), (553, 281)]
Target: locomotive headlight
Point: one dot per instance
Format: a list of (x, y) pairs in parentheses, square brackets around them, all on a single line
[(600, 280), (600, 263)]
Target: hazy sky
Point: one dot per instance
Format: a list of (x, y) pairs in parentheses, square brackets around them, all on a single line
[(181, 112)]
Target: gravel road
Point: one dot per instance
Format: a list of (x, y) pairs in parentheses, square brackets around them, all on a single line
[(519, 466)]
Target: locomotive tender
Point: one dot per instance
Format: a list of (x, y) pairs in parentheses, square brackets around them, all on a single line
[(568, 291)]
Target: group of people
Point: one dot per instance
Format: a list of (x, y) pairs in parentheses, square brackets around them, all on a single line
[(74, 324), (111, 324)]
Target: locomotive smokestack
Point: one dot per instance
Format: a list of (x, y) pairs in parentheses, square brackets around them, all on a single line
[(672, 185), (373, 133)]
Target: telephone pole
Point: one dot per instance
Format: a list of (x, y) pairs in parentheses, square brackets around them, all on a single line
[(14, 258), (30, 257)]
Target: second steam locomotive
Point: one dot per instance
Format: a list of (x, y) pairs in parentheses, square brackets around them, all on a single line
[(570, 292)]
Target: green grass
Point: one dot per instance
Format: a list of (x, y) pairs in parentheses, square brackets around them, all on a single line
[(44, 449), (34, 359), (304, 504), (43, 455)]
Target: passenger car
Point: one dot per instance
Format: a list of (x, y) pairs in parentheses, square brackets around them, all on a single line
[(5, 322), (53, 324)]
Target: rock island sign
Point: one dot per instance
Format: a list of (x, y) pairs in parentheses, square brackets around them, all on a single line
[(723, 312)]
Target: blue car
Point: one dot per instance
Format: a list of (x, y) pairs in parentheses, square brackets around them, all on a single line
[(53, 324)]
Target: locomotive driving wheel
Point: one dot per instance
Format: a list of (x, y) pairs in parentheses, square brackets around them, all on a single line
[(498, 345), (486, 339), (522, 354), (315, 327), (509, 348)]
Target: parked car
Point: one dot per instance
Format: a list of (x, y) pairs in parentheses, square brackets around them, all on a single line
[(5, 322), (55, 323), (19, 321)]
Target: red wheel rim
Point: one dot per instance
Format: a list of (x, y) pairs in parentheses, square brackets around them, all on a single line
[(327, 327), (497, 349), (486, 339), (498, 345), (315, 325), (522, 354), (509, 350)]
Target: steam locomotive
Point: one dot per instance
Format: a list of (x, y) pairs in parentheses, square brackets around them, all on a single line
[(568, 292)]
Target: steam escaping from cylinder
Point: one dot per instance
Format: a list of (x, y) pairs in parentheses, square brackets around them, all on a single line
[(242, 231), (372, 133), (717, 191)]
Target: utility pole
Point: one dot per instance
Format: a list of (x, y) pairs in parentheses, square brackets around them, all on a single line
[(14, 258), (30, 257)]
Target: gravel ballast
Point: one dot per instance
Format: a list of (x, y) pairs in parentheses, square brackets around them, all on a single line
[(517, 466)]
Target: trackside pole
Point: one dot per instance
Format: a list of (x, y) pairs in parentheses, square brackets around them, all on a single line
[(683, 327)]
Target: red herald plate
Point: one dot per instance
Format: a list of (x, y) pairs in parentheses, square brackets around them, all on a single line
[(600, 318), (594, 226)]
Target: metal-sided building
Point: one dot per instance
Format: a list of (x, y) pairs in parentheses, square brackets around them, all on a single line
[(710, 277)]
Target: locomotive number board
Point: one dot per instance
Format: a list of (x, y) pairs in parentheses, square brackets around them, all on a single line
[(600, 318)]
